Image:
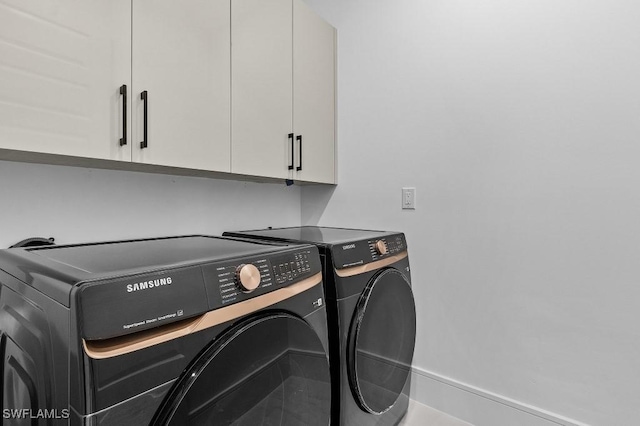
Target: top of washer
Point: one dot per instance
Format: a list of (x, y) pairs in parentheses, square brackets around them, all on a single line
[(118, 256), (126, 286), (314, 234), (55, 270)]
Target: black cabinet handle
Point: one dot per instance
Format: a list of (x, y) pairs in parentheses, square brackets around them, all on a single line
[(292, 154), (299, 138), (144, 142), (123, 92)]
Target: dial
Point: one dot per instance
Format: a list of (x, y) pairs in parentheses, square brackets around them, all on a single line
[(381, 247), (247, 277)]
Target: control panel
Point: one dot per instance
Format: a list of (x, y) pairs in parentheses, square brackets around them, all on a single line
[(386, 246), (356, 253), (233, 282), (286, 269), (153, 299), (227, 279)]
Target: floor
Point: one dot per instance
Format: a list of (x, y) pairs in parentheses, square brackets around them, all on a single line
[(421, 415)]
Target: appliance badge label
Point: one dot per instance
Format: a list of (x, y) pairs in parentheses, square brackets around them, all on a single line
[(349, 247), (148, 285)]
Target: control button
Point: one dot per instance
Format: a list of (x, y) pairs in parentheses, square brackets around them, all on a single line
[(248, 277), (381, 247)]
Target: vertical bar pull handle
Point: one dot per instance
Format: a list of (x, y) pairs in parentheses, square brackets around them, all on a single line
[(299, 139), (123, 92), (292, 149), (145, 141)]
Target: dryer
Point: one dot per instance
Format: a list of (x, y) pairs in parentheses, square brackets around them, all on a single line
[(171, 331), (371, 315)]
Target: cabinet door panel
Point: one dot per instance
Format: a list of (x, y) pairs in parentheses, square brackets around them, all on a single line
[(314, 94), (62, 63), (261, 56), (181, 57)]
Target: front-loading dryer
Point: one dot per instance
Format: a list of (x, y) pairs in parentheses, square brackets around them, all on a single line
[(171, 331), (372, 318)]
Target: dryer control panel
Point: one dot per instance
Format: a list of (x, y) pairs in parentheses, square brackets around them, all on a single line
[(362, 252), (224, 285)]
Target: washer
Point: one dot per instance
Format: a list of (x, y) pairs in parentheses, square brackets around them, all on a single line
[(372, 319), (170, 331)]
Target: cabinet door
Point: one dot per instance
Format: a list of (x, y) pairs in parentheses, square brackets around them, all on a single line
[(261, 87), (62, 63), (181, 58), (313, 95)]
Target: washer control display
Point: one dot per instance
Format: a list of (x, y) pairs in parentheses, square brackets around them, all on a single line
[(233, 282), (290, 268), (229, 280)]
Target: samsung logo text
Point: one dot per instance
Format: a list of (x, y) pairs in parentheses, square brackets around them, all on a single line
[(147, 285)]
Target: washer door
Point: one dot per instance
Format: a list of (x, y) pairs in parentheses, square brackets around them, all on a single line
[(268, 370), (381, 341)]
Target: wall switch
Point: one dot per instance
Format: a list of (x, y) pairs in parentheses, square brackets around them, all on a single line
[(409, 198)]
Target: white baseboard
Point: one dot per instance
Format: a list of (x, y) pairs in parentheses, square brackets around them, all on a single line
[(477, 406)]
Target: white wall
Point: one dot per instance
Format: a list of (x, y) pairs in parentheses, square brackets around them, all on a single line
[(81, 205), (519, 124)]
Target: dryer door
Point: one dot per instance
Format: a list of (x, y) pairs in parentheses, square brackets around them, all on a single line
[(381, 341), (268, 370)]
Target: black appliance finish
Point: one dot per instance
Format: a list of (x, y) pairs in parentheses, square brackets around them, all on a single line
[(170, 331), (372, 320)]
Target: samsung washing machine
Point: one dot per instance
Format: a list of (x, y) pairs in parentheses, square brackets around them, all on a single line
[(171, 331), (372, 319)]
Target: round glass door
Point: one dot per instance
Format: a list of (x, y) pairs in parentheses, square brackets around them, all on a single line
[(381, 341), (269, 370)]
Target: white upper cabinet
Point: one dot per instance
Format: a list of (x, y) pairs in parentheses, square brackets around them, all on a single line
[(239, 86), (261, 87), (313, 95), (181, 59), (283, 91), (62, 63)]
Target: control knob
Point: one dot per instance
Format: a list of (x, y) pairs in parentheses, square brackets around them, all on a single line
[(381, 247), (247, 277)]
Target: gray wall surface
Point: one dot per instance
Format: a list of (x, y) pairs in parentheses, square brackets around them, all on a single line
[(519, 125), (82, 205)]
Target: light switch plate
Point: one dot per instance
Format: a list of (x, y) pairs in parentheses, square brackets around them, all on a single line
[(408, 198)]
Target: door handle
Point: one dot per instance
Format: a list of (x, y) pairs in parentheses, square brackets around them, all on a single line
[(145, 141), (292, 150), (123, 92), (299, 139)]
